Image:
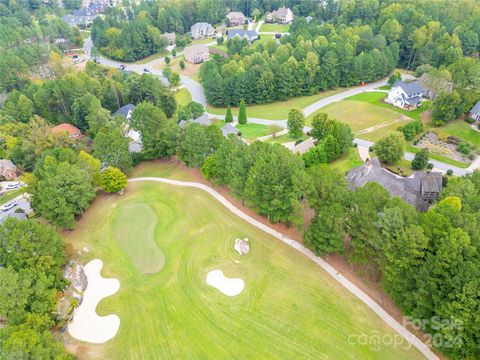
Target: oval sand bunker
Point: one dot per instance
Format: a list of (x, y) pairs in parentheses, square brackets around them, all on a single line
[(86, 324), (229, 287)]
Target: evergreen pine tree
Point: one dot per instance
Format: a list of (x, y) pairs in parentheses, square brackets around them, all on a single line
[(242, 113), (229, 116)]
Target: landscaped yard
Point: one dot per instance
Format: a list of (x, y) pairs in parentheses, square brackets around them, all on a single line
[(368, 121), (289, 308), (9, 195), (284, 139), (183, 97), (277, 110), (251, 132), (278, 28), (462, 130), (191, 70)]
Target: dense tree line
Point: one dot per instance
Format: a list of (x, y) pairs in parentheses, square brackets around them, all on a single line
[(31, 260), (300, 65)]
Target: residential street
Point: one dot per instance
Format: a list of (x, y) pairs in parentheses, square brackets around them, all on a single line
[(22, 203), (198, 95)]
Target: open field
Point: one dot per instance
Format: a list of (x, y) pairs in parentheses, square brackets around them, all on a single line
[(151, 57), (462, 130), (277, 110), (367, 121), (289, 308), (375, 98), (183, 97), (278, 28)]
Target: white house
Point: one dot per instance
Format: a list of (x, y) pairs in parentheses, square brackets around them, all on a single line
[(406, 95), (475, 112)]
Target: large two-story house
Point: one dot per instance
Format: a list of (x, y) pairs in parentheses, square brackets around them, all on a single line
[(282, 16), (406, 95), (202, 30)]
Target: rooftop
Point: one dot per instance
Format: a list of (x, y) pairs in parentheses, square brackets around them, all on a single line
[(411, 88)]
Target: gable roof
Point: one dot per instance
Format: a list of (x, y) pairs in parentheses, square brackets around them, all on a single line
[(124, 110), (283, 11), (229, 129), (248, 34), (235, 15), (69, 128), (6, 164), (476, 108), (201, 25), (410, 88), (410, 189)]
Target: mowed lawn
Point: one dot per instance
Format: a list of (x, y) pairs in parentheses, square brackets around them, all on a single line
[(277, 110), (462, 130), (289, 309), (278, 28), (182, 97), (251, 132), (367, 121)]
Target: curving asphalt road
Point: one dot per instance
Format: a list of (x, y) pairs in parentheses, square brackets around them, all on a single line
[(395, 325)]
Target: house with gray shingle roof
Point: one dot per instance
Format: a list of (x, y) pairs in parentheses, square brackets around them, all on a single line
[(282, 16), (126, 111), (406, 95), (81, 17), (202, 30), (203, 120), (249, 35), (475, 112), (420, 189)]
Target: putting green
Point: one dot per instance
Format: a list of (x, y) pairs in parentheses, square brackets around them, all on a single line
[(134, 230), (289, 309)]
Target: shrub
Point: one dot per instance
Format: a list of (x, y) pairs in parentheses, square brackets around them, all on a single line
[(469, 120), (449, 172), (430, 166), (464, 148), (182, 64)]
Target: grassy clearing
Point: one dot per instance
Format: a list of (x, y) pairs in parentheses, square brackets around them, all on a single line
[(183, 97), (361, 116), (401, 167), (278, 28), (289, 308), (375, 98), (282, 139), (251, 132), (277, 110), (222, 47), (462, 130), (348, 161), (191, 70), (152, 57), (9, 195)]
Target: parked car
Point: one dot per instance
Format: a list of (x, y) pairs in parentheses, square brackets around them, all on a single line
[(12, 186), (146, 70), (122, 67), (8, 206)]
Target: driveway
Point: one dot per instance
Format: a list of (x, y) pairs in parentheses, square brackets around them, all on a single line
[(22, 203)]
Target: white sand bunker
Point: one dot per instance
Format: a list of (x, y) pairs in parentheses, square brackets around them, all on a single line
[(229, 287), (86, 324)]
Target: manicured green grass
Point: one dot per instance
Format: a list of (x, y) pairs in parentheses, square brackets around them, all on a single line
[(375, 98), (9, 195), (151, 57), (401, 167), (462, 130), (252, 131), (278, 28), (203, 41), (348, 161), (222, 47), (385, 87), (134, 228), (183, 97), (284, 139), (277, 110), (444, 159), (361, 116), (289, 309)]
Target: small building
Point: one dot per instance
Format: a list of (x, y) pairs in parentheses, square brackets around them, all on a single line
[(475, 112), (8, 170), (249, 35), (65, 128), (304, 146), (202, 30), (229, 129), (420, 189), (196, 54), (282, 16), (406, 95), (235, 18), (171, 38), (126, 111)]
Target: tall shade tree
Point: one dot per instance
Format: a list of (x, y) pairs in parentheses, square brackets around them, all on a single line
[(296, 122), (390, 148)]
